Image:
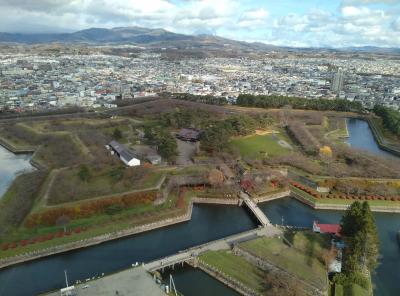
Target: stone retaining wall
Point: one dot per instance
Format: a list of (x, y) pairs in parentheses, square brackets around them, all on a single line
[(95, 240), (341, 207), (272, 196), (381, 209), (226, 279), (217, 201)]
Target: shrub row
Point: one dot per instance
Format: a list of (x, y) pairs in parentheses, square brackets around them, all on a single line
[(89, 208), (343, 196), (40, 239)]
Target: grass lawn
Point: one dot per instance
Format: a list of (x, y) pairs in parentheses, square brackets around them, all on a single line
[(257, 146), (301, 260), (236, 267), (356, 290)]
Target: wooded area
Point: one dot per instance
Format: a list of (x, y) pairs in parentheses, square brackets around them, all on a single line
[(273, 101), (390, 118)]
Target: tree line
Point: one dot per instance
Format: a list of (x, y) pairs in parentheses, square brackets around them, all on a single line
[(207, 99), (390, 118), (274, 101)]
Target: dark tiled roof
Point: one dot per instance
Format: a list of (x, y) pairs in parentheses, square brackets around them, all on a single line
[(122, 151), (189, 133)]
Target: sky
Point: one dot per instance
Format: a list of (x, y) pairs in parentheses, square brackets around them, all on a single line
[(299, 23)]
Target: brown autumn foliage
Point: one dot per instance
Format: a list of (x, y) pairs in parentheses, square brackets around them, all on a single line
[(86, 209), (302, 135), (281, 284), (14, 211)]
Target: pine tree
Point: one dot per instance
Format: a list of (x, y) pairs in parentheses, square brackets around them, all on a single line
[(352, 220)]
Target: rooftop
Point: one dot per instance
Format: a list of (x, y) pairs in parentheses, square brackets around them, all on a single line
[(133, 282), (327, 228)]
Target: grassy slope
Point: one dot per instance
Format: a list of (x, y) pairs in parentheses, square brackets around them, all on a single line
[(235, 267), (300, 260), (96, 225), (100, 184)]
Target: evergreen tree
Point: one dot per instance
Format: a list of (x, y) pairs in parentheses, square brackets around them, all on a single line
[(361, 236), (352, 220), (369, 238), (84, 173), (117, 134)]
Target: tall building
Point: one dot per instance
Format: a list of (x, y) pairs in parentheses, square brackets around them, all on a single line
[(337, 81)]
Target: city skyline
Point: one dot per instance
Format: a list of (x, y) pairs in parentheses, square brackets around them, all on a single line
[(314, 23)]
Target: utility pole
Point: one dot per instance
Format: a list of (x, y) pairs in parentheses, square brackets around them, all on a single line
[(66, 278)]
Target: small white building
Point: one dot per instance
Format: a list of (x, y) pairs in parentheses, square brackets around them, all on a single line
[(124, 154)]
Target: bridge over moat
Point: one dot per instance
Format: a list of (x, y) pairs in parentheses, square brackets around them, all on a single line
[(253, 207), (266, 229), (221, 244)]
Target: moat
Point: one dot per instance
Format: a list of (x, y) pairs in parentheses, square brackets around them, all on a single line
[(207, 223), (10, 165)]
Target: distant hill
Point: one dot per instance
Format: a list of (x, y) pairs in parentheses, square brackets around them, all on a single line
[(98, 35), (162, 38)]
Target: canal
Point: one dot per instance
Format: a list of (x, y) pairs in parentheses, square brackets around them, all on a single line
[(208, 223)]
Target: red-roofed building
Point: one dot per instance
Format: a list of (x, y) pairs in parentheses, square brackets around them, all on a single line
[(247, 185), (326, 228)]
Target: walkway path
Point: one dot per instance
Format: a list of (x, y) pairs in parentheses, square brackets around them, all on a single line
[(221, 244), (255, 209)]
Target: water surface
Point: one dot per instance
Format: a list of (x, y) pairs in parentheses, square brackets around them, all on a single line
[(10, 165), (361, 137)]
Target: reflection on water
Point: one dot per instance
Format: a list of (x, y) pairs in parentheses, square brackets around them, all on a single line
[(361, 137), (10, 165)]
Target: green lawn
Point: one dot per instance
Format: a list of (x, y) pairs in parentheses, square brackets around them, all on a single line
[(236, 267), (257, 146), (301, 260)]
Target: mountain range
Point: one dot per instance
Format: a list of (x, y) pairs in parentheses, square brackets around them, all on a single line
[(160, 38)]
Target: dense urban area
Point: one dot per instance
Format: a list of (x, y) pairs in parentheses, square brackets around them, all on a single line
[(54, 79)]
